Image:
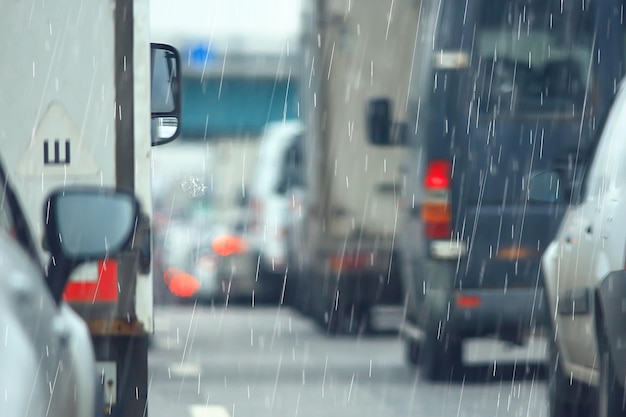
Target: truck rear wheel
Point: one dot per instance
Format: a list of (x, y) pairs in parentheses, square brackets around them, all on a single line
[(413, 349), (347, 319)]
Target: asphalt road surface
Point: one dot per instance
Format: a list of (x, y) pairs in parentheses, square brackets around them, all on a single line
[(239, 361)]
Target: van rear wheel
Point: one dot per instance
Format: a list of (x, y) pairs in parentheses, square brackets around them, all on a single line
[(441, 356)]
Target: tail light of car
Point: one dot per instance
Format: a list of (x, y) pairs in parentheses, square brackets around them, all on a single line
[(226, 245), (181, 283)]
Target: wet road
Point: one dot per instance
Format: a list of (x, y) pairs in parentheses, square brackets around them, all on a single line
[(265, 361)]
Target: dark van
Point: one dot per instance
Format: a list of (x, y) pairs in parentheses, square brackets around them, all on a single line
[(499, 89)]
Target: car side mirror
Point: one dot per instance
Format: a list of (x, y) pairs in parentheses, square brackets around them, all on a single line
[(545, 187), (83, 225), (165, 93)]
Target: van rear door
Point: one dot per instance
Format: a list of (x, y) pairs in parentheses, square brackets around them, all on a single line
[(528, 85)]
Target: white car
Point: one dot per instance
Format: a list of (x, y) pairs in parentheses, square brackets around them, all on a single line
[(277, 172), (47, 359), (585, 299)]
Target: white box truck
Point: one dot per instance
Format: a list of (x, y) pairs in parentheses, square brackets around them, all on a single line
[(76, 83), (354, 53)]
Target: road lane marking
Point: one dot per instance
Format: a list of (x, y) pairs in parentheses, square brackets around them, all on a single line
[(185, 369), (208, 411)]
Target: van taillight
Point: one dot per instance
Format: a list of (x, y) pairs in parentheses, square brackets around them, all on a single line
[(438, 175), (435, 211)]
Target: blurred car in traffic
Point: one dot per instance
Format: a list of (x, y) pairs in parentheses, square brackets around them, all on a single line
[(47, 359), (276, 173), (195, 256), (587, 355), (216, 267)]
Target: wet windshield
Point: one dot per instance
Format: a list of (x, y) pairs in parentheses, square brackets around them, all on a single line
[(372, 207), (534, 58)]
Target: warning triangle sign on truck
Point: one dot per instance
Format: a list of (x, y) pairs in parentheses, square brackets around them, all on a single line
[(56, 148)]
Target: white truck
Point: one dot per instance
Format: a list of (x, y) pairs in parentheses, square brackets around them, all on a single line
[(343, 250), (77, 81)]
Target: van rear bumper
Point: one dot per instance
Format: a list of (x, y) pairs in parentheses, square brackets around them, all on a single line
[(484, 312), (509, 315)]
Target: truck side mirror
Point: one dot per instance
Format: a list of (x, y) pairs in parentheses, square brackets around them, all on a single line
[(85, 224), (165, 93), (379, 121), (380, 127)]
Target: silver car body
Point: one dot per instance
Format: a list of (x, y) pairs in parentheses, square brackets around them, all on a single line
[(590, 244), (47, 361), (46, 355)]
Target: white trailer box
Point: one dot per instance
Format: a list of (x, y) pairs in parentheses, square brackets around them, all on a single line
[(355, 52)]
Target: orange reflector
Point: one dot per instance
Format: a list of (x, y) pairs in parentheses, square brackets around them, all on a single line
[(104, 289), (345, 263), (227, 245), (513, 254), (468, 301), (180, 283), (436, 212)]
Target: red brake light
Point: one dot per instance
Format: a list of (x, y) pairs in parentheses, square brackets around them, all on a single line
[(227, 245), (438, 174), (468, 301), (180, 283)]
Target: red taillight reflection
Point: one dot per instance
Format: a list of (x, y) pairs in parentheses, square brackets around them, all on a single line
[(227, 245), (180, 283), (438, 175), (468, 301)]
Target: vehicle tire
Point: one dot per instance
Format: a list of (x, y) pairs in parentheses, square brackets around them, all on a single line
[(441, 356), (412, 349), (302, 296), (564, 399), (269, 288), (611, 400)]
